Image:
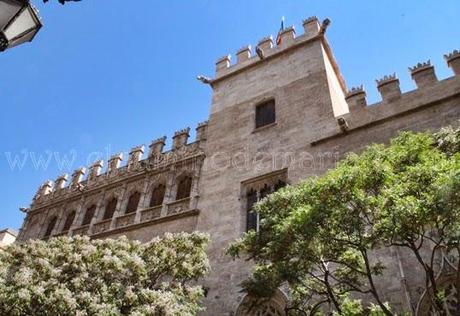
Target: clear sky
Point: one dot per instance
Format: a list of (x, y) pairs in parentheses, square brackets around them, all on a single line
[(103, 76)]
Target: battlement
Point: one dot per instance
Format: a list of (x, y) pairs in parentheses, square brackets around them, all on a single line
[(423, 73), (394, 102), (266, 48), (453, 61), (181, 150), (356, 97)]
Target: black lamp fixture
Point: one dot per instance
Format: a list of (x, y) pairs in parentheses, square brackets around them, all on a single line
[(19, 23)]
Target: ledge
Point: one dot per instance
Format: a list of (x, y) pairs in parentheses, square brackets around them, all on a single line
[(158, 220), (178, 201), (126, 215), (103, 221), (80, 229), (63, 233), (379, 113)]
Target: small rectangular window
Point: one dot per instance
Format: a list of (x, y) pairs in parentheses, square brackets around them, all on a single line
[(265, 113)]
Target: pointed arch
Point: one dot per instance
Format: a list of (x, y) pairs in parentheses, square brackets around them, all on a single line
[(51, 225), (133, 202), (276, 306), (110, 208), (68, 221), (89, 214), (157, 196), (184, 187)]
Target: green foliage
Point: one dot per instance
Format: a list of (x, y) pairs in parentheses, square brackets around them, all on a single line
[(79, 276), (318, 236)]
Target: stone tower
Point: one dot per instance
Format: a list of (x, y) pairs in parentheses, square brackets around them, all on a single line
[(301, 77)]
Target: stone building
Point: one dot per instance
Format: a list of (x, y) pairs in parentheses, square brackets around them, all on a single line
[(7, 237), (277, 117)]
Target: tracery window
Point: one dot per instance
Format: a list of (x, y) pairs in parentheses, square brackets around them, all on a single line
[(89, 214), (110, 208), (256, 190), (158, 195), (68, 221), (133, 203), (274, 307), (183, 188), (252, 219), (50, 227)]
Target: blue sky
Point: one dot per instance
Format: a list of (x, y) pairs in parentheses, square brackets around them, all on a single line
[(104, 76)]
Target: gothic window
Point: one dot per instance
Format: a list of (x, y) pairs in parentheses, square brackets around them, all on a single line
[(274, 307), (258, 190), (265, 113), (158, 195), (133, 202), (50, 227), (68, 221), (280, 184), (183, 188), (252, 218), (266, 190), (89, 214), (110, 208)]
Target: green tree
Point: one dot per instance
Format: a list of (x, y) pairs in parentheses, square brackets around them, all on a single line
[(319, 236), (79, 276)]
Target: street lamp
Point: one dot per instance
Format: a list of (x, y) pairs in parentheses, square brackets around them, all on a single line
[(19, 22)]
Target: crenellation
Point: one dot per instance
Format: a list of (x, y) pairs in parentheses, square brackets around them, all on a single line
[(46, 188), (223, 63), (356, 98), (311, 25), (266, 43), (243, 54), (423, 74), (156, 146), (77, 177), (388, 87), (135, 156), (453, 61), (114, 163), (287, 36), (95, 170), (201, 131), (286, 39), (60, 182), (180, 138)]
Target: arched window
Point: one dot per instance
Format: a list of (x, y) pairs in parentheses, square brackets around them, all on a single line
[(158, 195), (252, 218), (68, 221), (89, 214), (183, 188), (133, 202), (274, 307), (110, 208), (253, 196), (50, 227)]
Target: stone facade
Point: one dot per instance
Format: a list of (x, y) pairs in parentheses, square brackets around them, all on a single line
[(204, 185)]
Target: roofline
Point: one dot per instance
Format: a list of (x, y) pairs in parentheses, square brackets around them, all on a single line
[(300, 41), (10, 231)]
